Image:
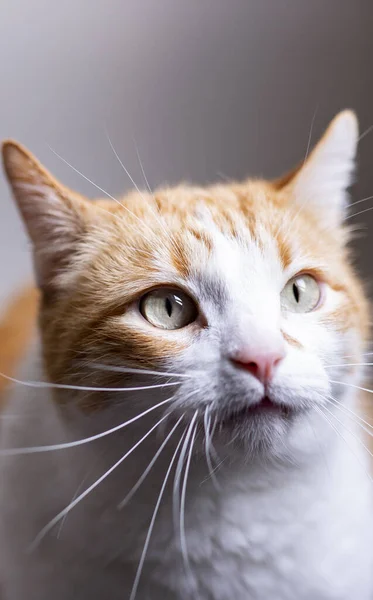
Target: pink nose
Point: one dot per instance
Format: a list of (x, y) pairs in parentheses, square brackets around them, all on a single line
[(261, 365)]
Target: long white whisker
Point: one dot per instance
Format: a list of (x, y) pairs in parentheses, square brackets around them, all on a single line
[(317, 439), (354, 416), (138, 189), (183, 544), (61, 386), (310, 135), (149, 467), (207, 425), (179, 467), (102, 190), (122, 165), (214, 426), (350, 365), (350, 432), (356, 387), (87, 440), (68, 508), (368, 130), (117, 369), (360, 201), (151, 526), (63, 520), (354, 356), (301, 207), (212, 447), (344, 439), (142, 169), (86, 178), (358, 213)]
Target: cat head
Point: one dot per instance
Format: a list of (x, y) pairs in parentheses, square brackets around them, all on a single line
[(240, 296)]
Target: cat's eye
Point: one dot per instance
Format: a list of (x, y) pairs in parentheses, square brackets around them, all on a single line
[(168, 308), (301, 294)]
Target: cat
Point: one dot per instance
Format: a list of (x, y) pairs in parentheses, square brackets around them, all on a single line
[(183, 423)]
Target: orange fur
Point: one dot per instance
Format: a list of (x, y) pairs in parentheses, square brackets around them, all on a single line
[(16, 328)]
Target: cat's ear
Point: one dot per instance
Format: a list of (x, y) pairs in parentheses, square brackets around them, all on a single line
[(321, 182), (55, 217)]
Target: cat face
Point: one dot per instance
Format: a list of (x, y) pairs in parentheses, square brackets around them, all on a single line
[(241, 295)]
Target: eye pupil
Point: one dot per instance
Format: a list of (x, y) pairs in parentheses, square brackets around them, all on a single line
[(168, 307), (296, 292)]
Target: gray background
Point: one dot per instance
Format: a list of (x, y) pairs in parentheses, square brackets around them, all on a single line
[(202, 86)]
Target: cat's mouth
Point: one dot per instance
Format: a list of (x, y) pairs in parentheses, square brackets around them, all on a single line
[(263, 408)]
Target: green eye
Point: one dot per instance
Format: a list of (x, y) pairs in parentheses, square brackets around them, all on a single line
[(301, 294), (167, 308)]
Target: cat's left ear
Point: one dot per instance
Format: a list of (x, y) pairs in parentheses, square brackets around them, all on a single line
[(56, 218), (322, 181)]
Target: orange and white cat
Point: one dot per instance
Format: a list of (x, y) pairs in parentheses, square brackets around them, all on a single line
[(185, 422)]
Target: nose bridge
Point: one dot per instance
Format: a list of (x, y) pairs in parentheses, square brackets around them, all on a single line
[(256, 318), (252, 310)]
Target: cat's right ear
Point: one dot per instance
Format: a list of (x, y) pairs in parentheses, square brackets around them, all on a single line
[(55, 217), (322, 180)]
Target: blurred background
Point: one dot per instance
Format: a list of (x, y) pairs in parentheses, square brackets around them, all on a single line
[(204, 89)]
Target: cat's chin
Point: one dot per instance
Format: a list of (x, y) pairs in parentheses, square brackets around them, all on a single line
[(256, 428)]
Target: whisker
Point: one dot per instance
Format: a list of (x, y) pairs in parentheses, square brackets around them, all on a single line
[(350, 365), (63, 520), (356, 415), (356, 387), (207, 424), (354, 355), (358, 213), (317, 439), (183, 544), (349, 431), (142, 169), (360, 201), (151, 526), (310, 136), (117, 369), (85, 177), (62, 386), (344, 439), (87, 440), (306, 200), (103, 191), (368, 130), (214, 426), (168, 233), (212, 447), (72, 504), (179, 467), (122, 165), (149, 467), (350, 415)]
